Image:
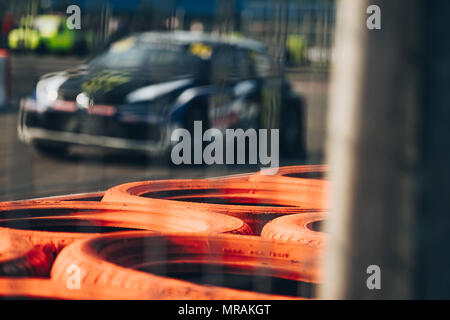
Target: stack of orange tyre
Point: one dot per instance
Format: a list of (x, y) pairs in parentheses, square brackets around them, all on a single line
[(253, 236)]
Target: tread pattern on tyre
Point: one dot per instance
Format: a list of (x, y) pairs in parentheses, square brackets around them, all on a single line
[(107, 215), (297, 228)]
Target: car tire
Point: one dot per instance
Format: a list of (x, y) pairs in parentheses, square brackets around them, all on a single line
[(47, 289), (310, 179), (255, 203), (312, 175), (316, 172), (298, 228), (92, 196), (139, 261), (20, 258), (59, 223)]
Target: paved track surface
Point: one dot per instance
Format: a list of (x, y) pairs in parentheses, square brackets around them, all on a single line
[(24, 173)]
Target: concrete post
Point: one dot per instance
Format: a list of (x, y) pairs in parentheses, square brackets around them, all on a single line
[(373, 150)]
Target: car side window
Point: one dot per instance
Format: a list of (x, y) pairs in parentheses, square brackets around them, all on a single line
[(222, 65), (187, 65), (262, 64), (242, 66)]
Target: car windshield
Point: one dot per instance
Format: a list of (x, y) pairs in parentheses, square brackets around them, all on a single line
[(159, 61), (126, 58)]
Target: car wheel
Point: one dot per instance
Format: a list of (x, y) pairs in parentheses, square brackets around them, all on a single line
[(46, 289)]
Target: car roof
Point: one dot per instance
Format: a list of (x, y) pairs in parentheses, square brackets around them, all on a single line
[(188, 37)]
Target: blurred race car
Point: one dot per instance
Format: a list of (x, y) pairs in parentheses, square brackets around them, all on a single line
[(133, 95)]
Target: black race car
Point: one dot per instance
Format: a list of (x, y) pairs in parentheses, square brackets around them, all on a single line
[(133, 95)]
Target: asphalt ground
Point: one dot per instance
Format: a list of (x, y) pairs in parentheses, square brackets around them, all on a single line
[(24, 173)]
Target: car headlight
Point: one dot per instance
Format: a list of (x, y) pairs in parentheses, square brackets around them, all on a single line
[(83, 101), (52, 95), (47, 91)]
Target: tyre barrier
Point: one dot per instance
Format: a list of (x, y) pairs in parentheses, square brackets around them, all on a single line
[(19, 258), (170, 239), (193, 266), (62, 222), (299, 228), (255, 203)]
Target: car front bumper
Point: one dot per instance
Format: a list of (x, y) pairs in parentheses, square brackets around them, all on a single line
[(75, 128)]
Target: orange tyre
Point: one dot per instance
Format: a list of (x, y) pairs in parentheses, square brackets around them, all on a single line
[(35, 288), (309, 179), (318, 172), (256, 203), (62, 222), (298, 228), (206, 267), (92, 196), (233, 177), (19, 258), (312, 172)]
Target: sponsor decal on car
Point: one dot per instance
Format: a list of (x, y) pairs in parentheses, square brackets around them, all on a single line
[(65, 106), (105, 81), (201, 50), (102, 110), (123, 45)]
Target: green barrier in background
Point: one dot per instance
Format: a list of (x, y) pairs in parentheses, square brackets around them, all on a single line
[(47, 33)]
